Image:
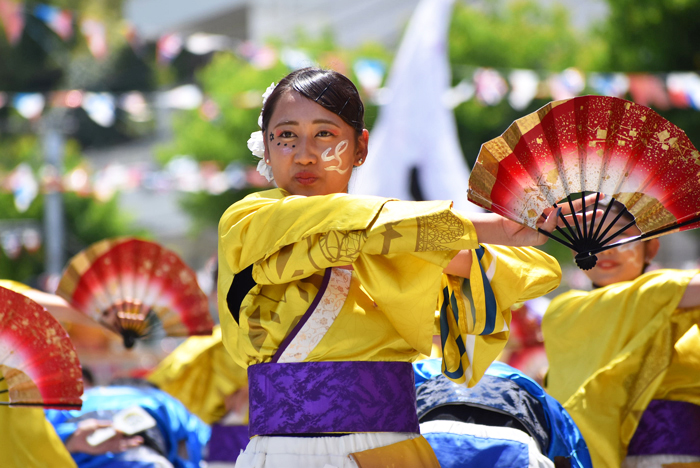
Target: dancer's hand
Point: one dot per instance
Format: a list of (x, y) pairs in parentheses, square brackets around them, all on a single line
[(117, 443), (495, 229)]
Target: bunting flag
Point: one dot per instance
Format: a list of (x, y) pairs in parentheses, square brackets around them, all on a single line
[(24, 187), (609, 84), (100, 107), (567, 84), (524, 85), (491, 88), (370, 74), (29, 105), (58, 20), (649, 91), (684, 89), (261, 57), (96, 35), (132, 37), (168, 47), (12, 19)]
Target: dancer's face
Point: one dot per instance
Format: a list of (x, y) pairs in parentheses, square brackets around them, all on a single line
[(311, 150), (623, 263)]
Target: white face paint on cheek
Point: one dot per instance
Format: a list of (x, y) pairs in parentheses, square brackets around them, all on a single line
[(339, 150), (286, 151), (630, 252)]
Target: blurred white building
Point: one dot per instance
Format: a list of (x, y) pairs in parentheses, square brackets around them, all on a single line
[(350, 22)]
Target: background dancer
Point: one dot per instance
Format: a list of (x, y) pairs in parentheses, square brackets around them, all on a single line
[(625, 358)]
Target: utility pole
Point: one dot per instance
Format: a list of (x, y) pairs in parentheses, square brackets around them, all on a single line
[(53, 142)]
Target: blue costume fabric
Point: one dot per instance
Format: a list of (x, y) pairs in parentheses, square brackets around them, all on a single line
[(504, 390), (175, 425)]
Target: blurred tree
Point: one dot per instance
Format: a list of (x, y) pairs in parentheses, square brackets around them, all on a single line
[(653, 36), (506, 36), (41, 62), (218, 131), (87, 220), (656, 37)]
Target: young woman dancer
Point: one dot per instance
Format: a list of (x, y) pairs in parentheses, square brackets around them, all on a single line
[(327, 297), (625, 358)]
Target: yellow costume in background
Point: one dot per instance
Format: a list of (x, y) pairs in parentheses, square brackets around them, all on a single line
[(398, 251), (612, 350), (28, 438), (201, 374)]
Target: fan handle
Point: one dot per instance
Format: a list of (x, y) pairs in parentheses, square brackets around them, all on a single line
[(586, 239)]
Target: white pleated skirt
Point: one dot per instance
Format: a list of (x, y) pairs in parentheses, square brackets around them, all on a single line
[(314, 452), (656, 461)]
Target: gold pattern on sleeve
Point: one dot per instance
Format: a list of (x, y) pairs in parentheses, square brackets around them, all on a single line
[(436, 230), (389, 234), (341, 246), (256, 332)]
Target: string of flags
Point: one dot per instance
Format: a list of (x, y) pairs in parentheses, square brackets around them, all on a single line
[(19, 234), (102, 107), (520, 87), (488, 86), (182, 174), (64, 23)]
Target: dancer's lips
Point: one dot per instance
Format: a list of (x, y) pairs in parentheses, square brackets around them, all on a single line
[(606, 264), (305, 178)]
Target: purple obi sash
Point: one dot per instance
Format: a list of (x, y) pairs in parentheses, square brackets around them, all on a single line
[(335, 397), (667, 428), (226, 442)]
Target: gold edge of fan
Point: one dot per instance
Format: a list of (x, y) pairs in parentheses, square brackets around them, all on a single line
[(649, 214), (482, 181), (20, 388), (80, 263)]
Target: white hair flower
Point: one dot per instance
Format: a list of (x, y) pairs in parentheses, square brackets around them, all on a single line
[(256, 143)]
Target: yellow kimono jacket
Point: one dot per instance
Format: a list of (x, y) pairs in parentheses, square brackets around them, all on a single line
[(201, 374), (28, 438), (612, 350), (398, 251)]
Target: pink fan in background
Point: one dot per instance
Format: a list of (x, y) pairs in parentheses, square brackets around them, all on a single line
[(136, 288), (38, 362)]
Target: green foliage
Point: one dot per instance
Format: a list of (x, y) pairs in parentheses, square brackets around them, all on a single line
[(507, 36), (87, 221), (235, 87), (42, 61), (652, 35), (519, 34)]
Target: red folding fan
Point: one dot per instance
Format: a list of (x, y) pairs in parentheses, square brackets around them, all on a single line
[(38, 362), (592, 145), (136, 288)]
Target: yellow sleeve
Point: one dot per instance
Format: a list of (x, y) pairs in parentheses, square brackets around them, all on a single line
[(263, 223), (617, 316), (201, 374), (430, 231), (29, 440), (398, 251), (475, 313), (14, 286), (609, 351)]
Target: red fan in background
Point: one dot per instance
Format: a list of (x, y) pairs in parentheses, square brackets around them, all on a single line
[(585, 145), (136, 288), (38, 363)]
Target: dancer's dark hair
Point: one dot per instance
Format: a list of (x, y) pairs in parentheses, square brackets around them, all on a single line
[(328, 88)]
